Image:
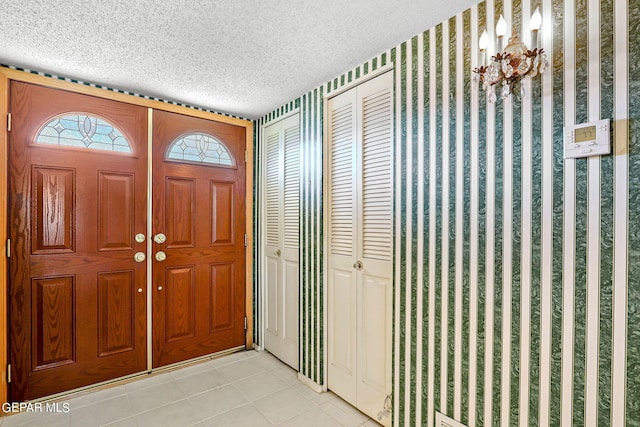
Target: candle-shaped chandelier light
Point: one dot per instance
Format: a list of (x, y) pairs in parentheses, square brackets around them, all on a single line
[(509, 66)]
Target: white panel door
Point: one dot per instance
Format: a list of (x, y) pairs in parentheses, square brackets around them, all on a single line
[(281, 237), (290, 241), (375, 243), (360, 244), (342, 209)]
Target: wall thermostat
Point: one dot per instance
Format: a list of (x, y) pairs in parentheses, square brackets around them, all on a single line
[(587, 139)]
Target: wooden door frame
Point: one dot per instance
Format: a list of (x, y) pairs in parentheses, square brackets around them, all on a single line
[(6, 76)]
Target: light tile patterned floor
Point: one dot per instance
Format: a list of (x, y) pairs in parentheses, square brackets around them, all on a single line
[(242, 389)]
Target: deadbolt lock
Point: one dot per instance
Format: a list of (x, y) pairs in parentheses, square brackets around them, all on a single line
[(140, 237), (159, 238)]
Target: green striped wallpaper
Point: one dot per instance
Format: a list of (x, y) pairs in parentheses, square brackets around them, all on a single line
[(517, 273)]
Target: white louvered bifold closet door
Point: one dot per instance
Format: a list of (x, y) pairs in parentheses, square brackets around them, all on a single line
[(360, 244), (342, 209), (282, 228)]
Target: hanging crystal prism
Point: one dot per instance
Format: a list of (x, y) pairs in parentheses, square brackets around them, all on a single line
[(505, 90), (492, 95)]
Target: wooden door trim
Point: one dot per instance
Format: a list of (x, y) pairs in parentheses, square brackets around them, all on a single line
[(6, 75), (4, 331)]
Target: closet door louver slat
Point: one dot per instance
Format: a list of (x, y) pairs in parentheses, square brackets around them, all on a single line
[(273, 190), (341, 176), (376, 176), (291, 186), (282, 235), (359, 210)]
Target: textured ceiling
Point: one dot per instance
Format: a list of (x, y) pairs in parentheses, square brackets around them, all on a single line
[(243, 57)]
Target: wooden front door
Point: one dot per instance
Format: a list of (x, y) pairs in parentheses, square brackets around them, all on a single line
[(77, 199), (199, 237)]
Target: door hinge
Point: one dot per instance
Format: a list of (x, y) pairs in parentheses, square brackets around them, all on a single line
[(8, 122), (245, 323), (246, 240), (9, 373), (246, 156), (8, 248)]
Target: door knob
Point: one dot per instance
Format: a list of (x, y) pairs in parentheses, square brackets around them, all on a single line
[(159, 288), (159, 238), (140, 237), (358, 265), (278, 252), (160, 256), (139, 256), (139, 290)]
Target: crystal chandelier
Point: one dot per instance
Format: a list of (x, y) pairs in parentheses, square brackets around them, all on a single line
[(509, 66)]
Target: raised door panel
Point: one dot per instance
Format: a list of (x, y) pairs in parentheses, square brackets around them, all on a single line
[(373, 336), (180, 213), (272, 306), (54, 340), (53, 206), (290, 308), (222, 220), (116, 320), (342, 334), (116, 210), (180, 301), (221, 297)]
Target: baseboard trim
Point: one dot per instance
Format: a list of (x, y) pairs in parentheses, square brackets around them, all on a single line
[(310, 383)]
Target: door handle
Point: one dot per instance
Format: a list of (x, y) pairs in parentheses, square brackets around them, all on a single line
[(159, 238), (278, 252), (160, 256), (358, 265), (139, 256)]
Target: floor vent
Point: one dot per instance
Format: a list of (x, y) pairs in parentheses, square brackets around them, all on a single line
[(444, 421)]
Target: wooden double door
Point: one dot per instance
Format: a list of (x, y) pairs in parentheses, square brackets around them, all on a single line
[(86, 260)]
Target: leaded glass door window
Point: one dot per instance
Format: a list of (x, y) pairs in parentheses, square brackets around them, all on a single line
[(82, 130), (198, 147)]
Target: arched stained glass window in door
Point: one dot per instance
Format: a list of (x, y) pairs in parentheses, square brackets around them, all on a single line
[(198, 147), (81, 130)]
